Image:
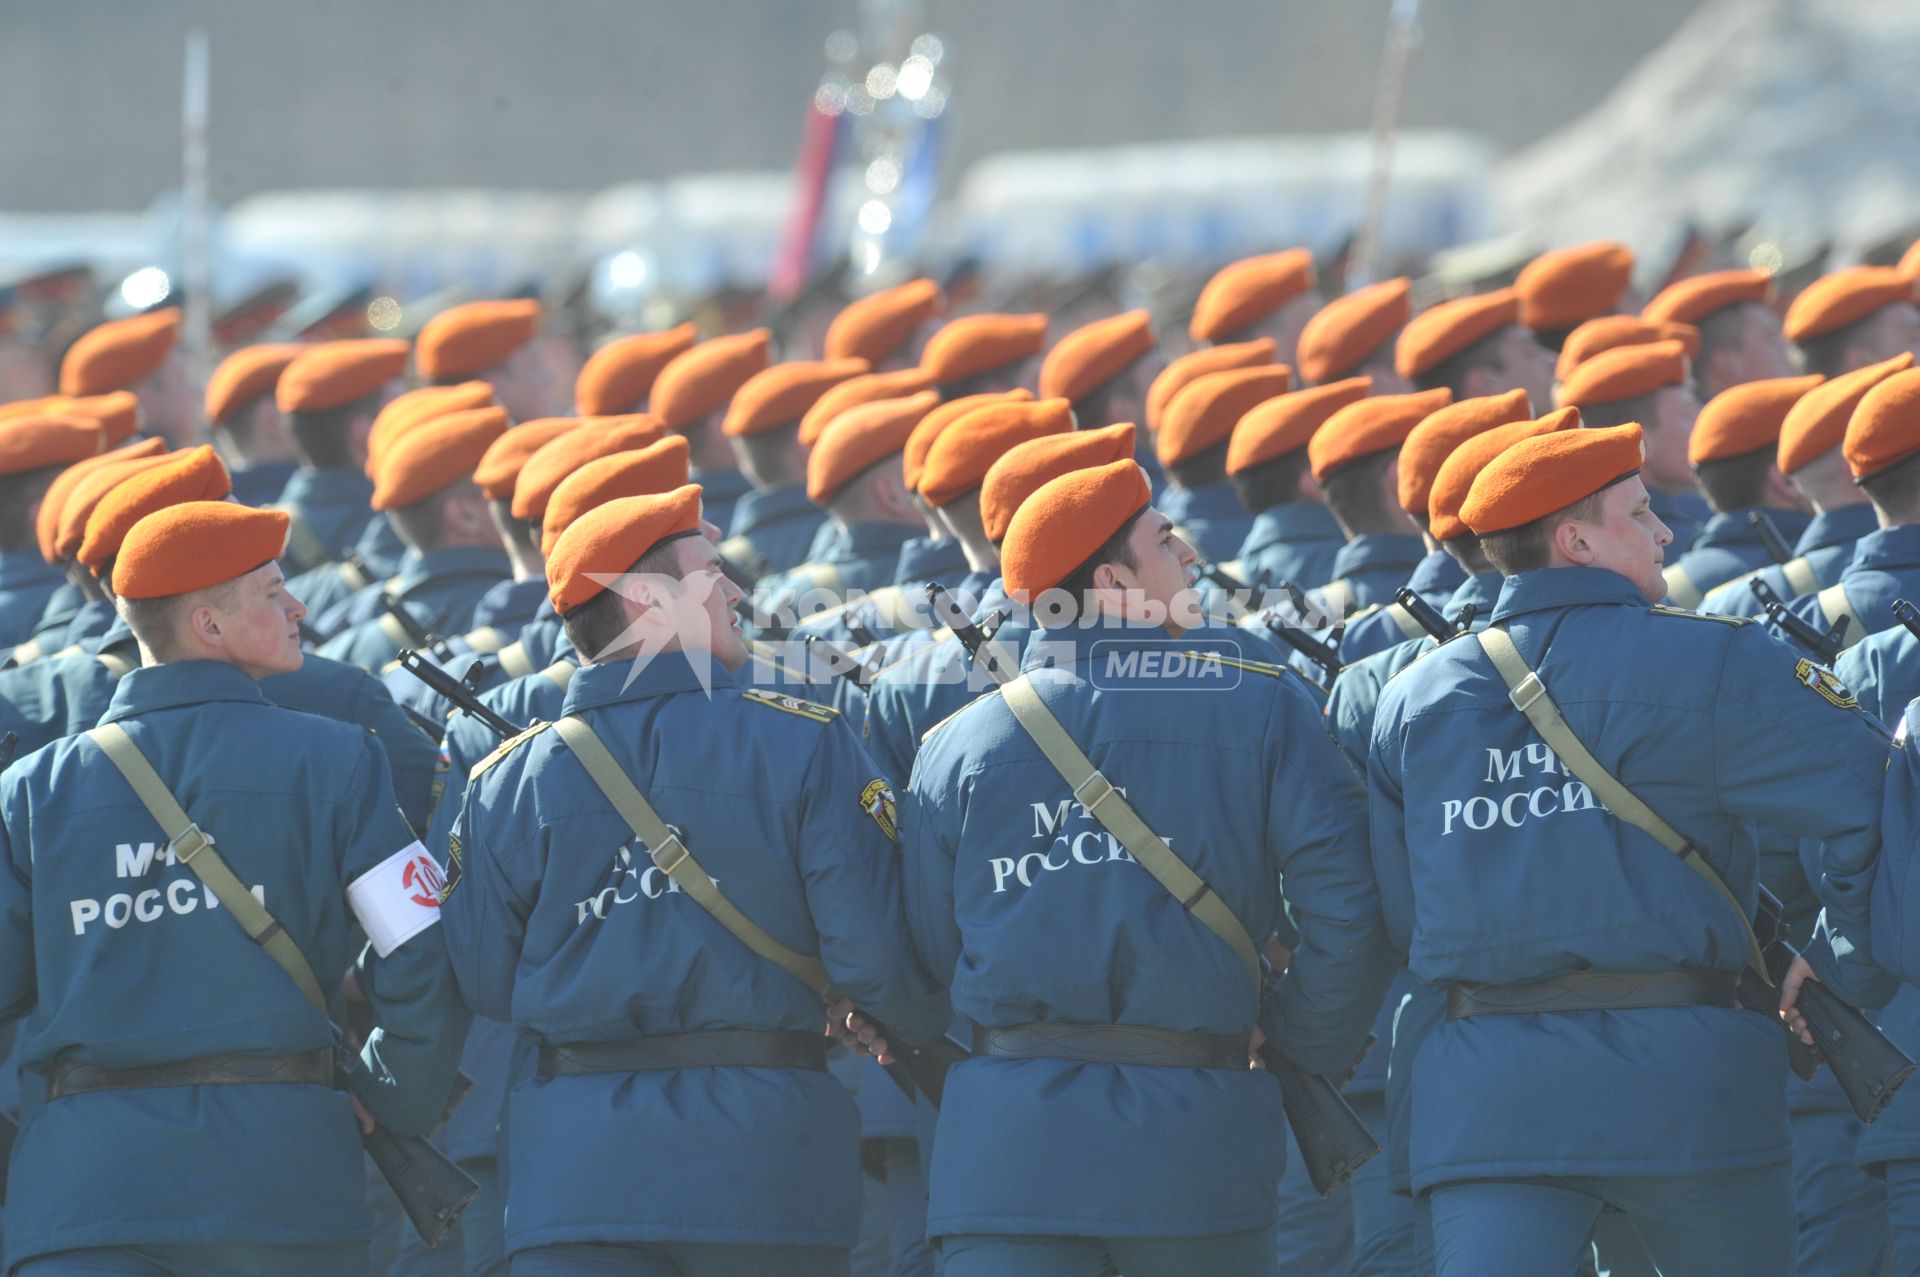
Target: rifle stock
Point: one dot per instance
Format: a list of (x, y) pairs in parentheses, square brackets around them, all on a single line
[(1333, 1141), (455, 692)]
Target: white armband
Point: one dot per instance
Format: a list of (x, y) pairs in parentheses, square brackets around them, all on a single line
[(398, 898)]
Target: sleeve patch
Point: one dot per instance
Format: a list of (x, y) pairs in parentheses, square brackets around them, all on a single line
[(791, 705), (1827, 684), (453, 866), (876, 799), (398, 898)]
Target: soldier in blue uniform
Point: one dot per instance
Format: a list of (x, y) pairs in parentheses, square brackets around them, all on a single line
[(1196, 432), (1563, 288), (1003, 864), (495, 342), (241, 410), (1353, 336), (1854, 318), (884, 328), (1809, 456), (33, 452), (775, 523), (155, 1079), (1687, 1135), (690, 396), (510, 604), (1475, 346), (681, 1120), (329, 396), (1733, 449), (1271, 296), (985, 353), (1651, 385), (1739, 334), (1294, 536)]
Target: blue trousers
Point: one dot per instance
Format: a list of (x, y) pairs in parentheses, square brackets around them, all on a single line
[(1313, 1235), (1383, 1223), (1903, 1214), (475, 1247), (1842, 1210), (1727, 1224), (680, 1259), (1248, 1254), (343, 1260)]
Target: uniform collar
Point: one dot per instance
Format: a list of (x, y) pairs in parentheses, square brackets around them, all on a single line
[(665, 674), (1378, 551), (872, 541), (1897, 547), (924, 559), (1551, 588), (758, 508), (1291, 523), (1066, 645), (1833, 528), (460, 560), (177, 684), (1210, 501), (333, 486), (1481, 590), (20, 568), (1438, 573), (721, 485), (1727, 532)]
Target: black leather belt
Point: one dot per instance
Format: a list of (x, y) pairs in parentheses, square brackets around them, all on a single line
[(1113, 1044), (1596, 991), (306, 1068), (706, 1049)]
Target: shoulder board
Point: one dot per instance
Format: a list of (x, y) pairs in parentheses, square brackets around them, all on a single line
[(1368, 610), (1252, 667), (791, 705), (505, 747), (978, 700), (1661, 609)]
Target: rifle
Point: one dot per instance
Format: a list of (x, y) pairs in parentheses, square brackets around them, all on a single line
[(1827, 646), (8, 743), (1425, 614), (455, 691), (1463, 623), (1325, 654), (1210, 571), (1904, 612), (842, 661), (421, 636), (1777, 548), (430, 1188), (1333, 1140), (1865, 1062)]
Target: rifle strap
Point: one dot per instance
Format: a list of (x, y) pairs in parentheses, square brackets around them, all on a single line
[(1529, 696), (1409, 628), (1098, 797), (1835, 604), (514, 661), (1800, 577), (672, 858), (395, 632), (560, 673), (307, 549), (488, 638), (1681, 589), (1338, 598), (194, 849)]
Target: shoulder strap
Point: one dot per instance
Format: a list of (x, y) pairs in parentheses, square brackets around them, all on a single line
[(1409, 628), (488, 638), (1338, 596), (1529, 696), (308, 550), (672, 858), (514, 661), (116, 664), (194, 849), (1801, 578), (28, 652), (1096, 794), (1681, 588), (560, 673), (1835, 604)]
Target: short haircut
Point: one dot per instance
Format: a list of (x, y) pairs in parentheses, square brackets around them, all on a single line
[(153, 621), (1356, 495), (18, 492), (1452, 371), (1527, 548), (769, 454), (596, 625), (1271, 483), (1115, 549), (1735, 483), (1467, 552), (1201, 469), (1895, 491), (1095, 409), (1553, 338), (1827, 353), (1619, 412), (321, 437), (524, 532), (1723, 329), (421, 525)]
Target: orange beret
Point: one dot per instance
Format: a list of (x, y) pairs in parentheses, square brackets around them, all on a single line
[(661, 466), (1625, 372), (701, 381), (1439, 333), (119, 354), (781, 395), (1175, 376), (976, 344), (465, 340), (959, 458), (557, 458), (1023, 468), (245, 377), (1817, 422), (33, 407), (1057, 529), (50, 439), (434, 456), (1612, 331), (914, 455), (1885, 429), (1457, 473), (1203, 414), (1910, 261), (1270, 430), (117, 411), (1695, 298), (1745, 418), (196, 545), (1347, 330), (608, 540), (1370, 426), (616, 378), (193, 474), (1549, 472), (86, 495), (1566, 286), (866, 388), (1247, 291), (338, 372), (47, 523), (405, 411), (861, 438), (876, 326), (499, 469), (1094, 354), (1845, 297), (1431, 442)]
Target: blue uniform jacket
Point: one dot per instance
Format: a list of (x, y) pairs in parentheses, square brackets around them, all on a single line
[(1030, 911), (1896, 1136), (537, 642), (863, 556), (1826, 545), (558, 922), (720, 492), (508, 605), (1209, 517), (1885, 566), (27, 584), (1434, 580), (1728, 549), (121, 958), (1293, 542), (1496, 865), (1684, 512), (439, 589), (262, 484), (335, 504), (779, 523), (65, 601), (1376, 565)]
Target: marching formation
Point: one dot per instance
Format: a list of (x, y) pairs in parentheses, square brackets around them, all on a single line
[(1308, 786)]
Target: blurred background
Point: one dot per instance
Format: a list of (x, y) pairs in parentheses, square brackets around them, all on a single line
[(342, 167)]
